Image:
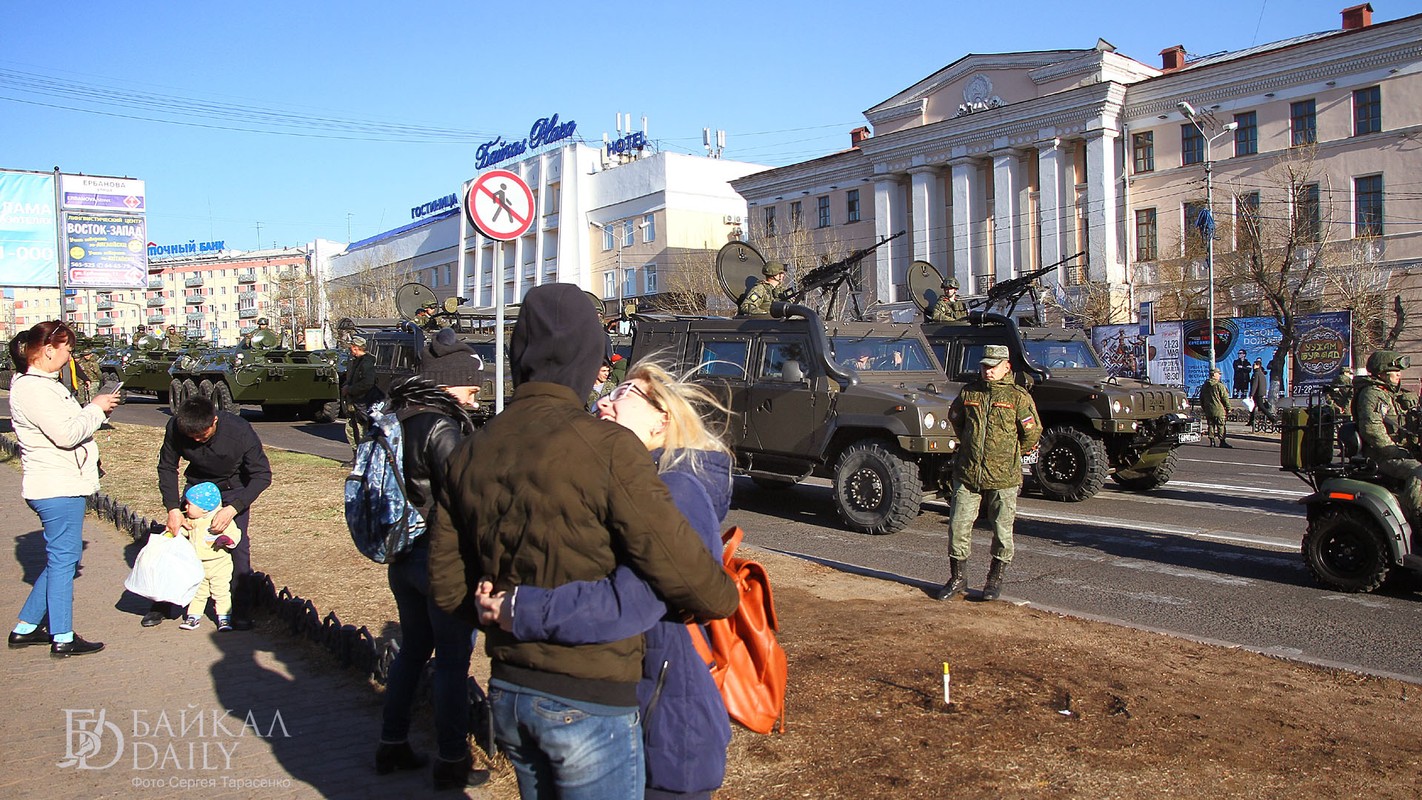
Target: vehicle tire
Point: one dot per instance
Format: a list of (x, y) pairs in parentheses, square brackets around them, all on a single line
[(771, 484), (876, 491), (1071, 465), (222, 397), (1149, 479), (176, 395), (205, 389), (190, 388), (1345, 550), (329, 411)]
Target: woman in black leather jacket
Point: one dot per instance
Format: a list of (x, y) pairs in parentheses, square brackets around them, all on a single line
[(431, 409)]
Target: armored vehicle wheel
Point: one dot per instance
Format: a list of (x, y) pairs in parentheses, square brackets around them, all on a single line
[(205, 389), (1149, 479), (176, 396), (876, 491), (328, 411), (772, 484), (190, 388), (1345, 551), (222, 397), (1071, 466)]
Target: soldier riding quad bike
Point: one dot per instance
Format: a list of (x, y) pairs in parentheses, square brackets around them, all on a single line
[(1093, 424), (1359, 537)]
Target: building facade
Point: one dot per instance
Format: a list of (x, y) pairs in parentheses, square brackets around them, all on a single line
[(1000, 164)]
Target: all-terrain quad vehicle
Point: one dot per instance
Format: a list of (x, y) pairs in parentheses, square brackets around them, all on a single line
[(1358, 537)]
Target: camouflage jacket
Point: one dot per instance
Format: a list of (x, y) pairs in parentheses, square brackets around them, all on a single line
[(1214, 399), (946, 310), (757, 301), (1340, 395), (997, 422), (1380, 416)]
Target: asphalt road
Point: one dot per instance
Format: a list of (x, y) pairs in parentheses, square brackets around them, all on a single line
[(1213, 555)]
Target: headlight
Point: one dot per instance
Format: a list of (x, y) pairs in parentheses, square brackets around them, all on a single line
[(1184, 404), (928, 420), (1115, 406), (237, 359)]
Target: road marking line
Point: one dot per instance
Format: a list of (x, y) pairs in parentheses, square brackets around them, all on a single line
[(1147, 527), (1230, 487)]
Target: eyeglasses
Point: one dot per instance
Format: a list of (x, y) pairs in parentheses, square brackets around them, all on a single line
[(622, 390)]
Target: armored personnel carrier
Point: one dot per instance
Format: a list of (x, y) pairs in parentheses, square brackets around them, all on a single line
[(287, 384), (143, 366), (1094, 425)]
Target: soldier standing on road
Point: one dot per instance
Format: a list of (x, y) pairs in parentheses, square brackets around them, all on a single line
[(1381, 414), (359, 391), (949, 308), (1214, 404), (996, 422), (757, 301)]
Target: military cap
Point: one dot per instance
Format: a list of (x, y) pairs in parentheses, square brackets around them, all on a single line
[(1382, 361), (950, 283), (772, 268), (358, 341), (994, 354)]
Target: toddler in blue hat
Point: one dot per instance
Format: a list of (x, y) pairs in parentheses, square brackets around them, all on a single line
[(213, 551)]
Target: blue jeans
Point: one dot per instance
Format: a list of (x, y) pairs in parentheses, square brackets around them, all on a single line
[(63, 520), (566, 749), (425, 629)]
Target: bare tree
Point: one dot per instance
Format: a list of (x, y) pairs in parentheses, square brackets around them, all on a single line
[(691, 284), (1085, 305), (1359, 282), (802, 249), (369, 290)]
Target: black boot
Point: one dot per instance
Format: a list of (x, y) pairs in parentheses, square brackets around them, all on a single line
[(993, 588), (956, 581), (392, 756), (458, 774)]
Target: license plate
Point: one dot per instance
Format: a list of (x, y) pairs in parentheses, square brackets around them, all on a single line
[(1187, 438)]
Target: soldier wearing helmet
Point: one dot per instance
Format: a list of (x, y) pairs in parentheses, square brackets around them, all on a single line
[(757, 301), (1380, 412), (948, 308)]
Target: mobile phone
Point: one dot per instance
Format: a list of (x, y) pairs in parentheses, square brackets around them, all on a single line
[(113, 387)]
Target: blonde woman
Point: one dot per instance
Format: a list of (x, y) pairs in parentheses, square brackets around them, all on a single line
[(684, 723)]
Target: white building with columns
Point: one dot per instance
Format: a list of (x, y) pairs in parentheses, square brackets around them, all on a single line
[(1000, 164)]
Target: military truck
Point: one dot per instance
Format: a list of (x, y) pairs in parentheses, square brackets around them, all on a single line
[(1093, 424), (286, 383)]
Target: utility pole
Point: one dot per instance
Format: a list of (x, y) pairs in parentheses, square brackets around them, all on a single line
[(1206, 223)]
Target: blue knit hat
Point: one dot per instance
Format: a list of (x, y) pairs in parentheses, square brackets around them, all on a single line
[(205, 496)]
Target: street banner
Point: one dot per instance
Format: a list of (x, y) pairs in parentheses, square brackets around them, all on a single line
[(105, 251), (97, 193), (29, 255), (1323, 349), (1126, 353)]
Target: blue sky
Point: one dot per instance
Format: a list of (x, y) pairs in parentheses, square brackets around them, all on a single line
[(319, 119)]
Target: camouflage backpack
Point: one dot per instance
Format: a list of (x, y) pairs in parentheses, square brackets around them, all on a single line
[(383, 524)]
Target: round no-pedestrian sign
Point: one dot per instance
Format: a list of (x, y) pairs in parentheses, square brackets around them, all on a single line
[(500, 205)]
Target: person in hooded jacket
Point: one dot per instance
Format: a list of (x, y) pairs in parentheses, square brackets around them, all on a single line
[(431, 407), (546, 494), (685, 728)]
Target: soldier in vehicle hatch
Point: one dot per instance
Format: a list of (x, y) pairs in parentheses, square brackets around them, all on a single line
[(948, 308), (996, 422), (757, 301), (1381, 415)]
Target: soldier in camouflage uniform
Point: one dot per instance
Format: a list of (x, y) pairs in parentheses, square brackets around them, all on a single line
[(996, 422), (757, 301), (948, 308), (1214, 404), (173, 340), (86, 376), (1380, 411), (1340, 393)]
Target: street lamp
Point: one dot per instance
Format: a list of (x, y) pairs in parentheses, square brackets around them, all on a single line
[(619, 237), (1207, 226)]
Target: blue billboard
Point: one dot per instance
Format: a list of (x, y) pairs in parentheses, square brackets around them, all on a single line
[(29, 254)]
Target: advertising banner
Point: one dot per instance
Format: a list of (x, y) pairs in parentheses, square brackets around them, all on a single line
[(105, 251), (29, 255), (1126, 353), (1323, 349), (97, 193)]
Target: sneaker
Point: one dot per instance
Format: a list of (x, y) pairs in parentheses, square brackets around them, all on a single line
[(190, 623), (224, 624)]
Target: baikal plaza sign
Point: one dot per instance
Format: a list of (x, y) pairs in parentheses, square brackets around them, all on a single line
[(544, 132)]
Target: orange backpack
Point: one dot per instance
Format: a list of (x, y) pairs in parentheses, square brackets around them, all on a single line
[(745, 658)]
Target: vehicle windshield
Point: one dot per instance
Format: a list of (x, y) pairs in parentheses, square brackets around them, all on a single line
[(881, 354), (1061, 355)]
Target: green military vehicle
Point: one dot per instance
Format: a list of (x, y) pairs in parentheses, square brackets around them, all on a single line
[(286, 383), (1093, 424), (143, 366)]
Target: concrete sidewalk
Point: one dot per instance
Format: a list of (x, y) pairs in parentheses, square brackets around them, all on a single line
[(163, 712)]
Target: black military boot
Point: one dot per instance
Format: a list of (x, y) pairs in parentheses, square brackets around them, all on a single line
[(956, 581), (993, 588)]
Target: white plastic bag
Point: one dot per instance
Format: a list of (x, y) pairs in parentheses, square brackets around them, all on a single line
[(167, 570), (1248, 404)]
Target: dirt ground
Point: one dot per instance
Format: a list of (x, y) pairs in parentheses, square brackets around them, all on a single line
[(1043, 705)]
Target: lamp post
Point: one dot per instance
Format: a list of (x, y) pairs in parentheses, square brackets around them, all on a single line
[(1208, 229), (619, 237)]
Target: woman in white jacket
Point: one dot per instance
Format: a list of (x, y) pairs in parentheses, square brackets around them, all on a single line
[(61, 468)]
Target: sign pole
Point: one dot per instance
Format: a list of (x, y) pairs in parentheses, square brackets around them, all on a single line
[(499, 327)]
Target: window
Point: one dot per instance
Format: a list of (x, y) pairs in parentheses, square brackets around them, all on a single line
[(796, 217), (1192, 145), (1246, 221), (1303, 123), (1145, 235), (1308, 222), (1246, 136), (609, 239), (1367, 110), (649, 278), (770, 221), (1368, 206), (851, 206), (777, 353), (629, 277), (822, 207), (629, 233), (649, 228), (1143, 151), (725, 359), (609, 285)]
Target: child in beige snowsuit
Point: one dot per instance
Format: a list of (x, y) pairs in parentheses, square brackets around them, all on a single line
[(212, 550)]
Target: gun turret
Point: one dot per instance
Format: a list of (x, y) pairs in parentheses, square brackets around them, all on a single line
[(828, 275), (1008, 292)]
